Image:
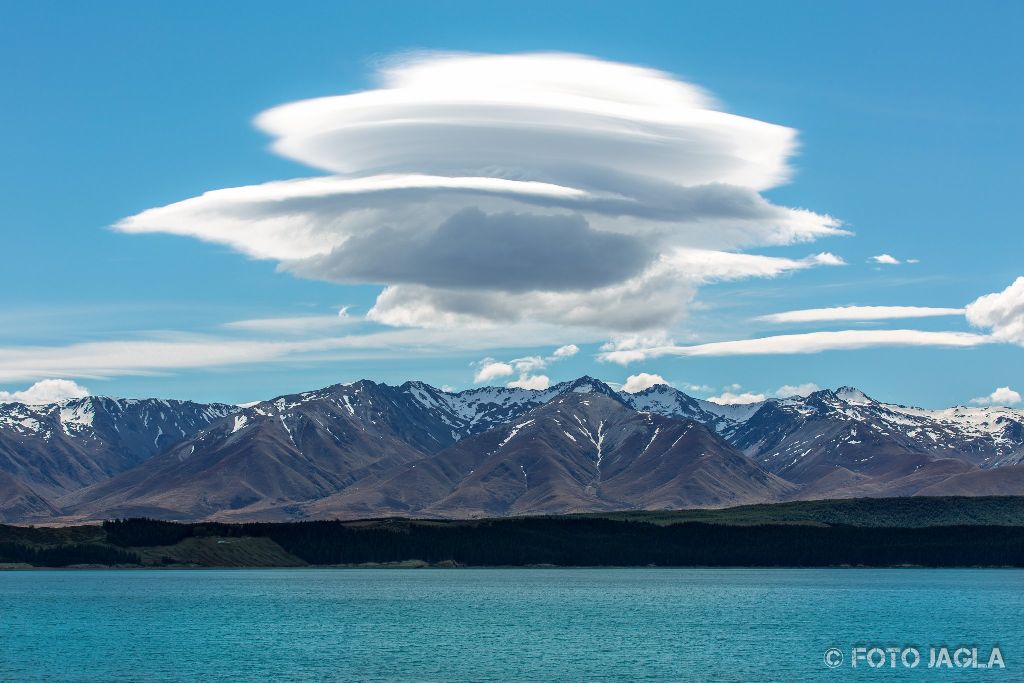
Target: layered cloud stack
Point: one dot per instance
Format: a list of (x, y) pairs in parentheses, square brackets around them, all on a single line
[(494, 188), (518, 201)]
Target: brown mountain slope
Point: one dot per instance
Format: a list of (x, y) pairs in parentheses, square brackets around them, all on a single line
[(1003, 481), (47, 451), (578, 452), (273, 455), (18, 501)]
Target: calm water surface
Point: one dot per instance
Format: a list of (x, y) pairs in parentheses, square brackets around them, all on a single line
[(498, 624)]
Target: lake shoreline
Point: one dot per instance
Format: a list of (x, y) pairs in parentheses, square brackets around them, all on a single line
[(389, 567)]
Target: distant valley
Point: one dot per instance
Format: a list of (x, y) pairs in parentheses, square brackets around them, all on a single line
[(372, 450)]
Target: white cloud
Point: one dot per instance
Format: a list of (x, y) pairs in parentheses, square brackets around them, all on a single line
[(45, 391), (140, 357), (181, 351), (294, 325), (531, 382), (858, 313), (1003, 396), (704, 265), (788, 390), (1002, 312), (491, 369), (566, 351), (733, 394), (640, 381), (548, 188), (886, 259), (529, 364), (729, 398), (629, 342), (811, 342), (649, 300)]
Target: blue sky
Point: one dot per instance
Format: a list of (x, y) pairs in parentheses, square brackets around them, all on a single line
[(909, 134)]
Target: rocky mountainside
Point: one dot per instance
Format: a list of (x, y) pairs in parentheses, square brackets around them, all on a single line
[(844, 443), (665, 400), (276, 453), (578, 452), (307, 446), (49, 450), (366, 449)]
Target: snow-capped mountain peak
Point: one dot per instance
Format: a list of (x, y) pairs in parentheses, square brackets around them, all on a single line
[(852, 395)]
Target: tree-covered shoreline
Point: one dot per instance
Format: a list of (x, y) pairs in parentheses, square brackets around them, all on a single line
[(798, 535)]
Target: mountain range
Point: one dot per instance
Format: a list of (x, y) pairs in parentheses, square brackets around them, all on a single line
[(371, 450)]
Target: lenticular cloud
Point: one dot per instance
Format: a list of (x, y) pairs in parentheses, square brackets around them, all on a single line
[(495, 188)]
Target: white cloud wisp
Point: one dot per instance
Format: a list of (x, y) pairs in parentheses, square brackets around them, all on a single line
[(176, 351), (836, 313), (811, 342)]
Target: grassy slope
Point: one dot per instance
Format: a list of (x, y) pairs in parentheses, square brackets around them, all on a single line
[(213, 551), (43, 536)]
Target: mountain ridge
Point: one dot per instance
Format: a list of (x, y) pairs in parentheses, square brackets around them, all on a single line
[(312, 453)]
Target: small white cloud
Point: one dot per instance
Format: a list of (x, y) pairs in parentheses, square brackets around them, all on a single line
[(1002, 312), (633, 347), (729, 398), (490, 369), (640, 381), (45, 391), (566, 351), (1003, 396), (529, 364), (913, 260), (886, 259), (826, 258), (787, 390), (531, 382)]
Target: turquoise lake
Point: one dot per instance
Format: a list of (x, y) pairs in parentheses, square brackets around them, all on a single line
[(500, 624)]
